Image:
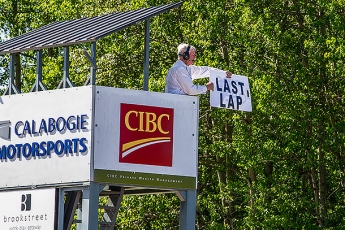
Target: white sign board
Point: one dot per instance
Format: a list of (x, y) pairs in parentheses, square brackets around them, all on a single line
[(27, 209), (45, 137), (145, 138), (231, 93)]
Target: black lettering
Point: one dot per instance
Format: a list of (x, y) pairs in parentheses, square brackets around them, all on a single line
[(221, 101), (241, 84), (231, 102), (239, 101), (234, 87), (226, 86), (217, 85)]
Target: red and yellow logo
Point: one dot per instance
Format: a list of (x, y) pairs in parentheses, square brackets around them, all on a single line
[(146, 135)]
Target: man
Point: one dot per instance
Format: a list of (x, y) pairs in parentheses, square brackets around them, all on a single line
[(179, 79)]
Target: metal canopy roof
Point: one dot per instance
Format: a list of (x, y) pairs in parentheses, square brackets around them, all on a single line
[(78, 31)]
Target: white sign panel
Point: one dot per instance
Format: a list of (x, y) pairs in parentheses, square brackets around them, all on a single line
[(27, 209), (231, 93), (45, 137), (145, 138)]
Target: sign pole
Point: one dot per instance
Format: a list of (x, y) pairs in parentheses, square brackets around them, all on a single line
[(60, 208), (90, 206), (188, 210)]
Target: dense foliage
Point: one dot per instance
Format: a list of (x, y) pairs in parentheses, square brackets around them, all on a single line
[(281, 166)]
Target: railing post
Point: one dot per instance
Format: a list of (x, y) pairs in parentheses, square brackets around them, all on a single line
[(188, 210), (146, 55), (93, 68)]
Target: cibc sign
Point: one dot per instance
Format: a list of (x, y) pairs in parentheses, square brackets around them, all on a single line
[(146, 135), (145, 139)]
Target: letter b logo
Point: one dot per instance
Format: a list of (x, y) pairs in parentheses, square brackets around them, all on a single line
[(26, 202)]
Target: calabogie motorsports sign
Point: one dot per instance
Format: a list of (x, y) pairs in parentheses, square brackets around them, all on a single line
[(45, 137)]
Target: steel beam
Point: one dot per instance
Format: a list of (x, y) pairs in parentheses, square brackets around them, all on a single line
[(90, 206), (38, 86), (66, 81), (146, 55), (188, 210), (11, 89)]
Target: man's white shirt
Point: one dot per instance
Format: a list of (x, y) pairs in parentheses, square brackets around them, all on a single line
[(179, 79)]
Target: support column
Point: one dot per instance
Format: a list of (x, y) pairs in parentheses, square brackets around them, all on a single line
[(11, 89), (92, 59), (18, 69), (146, 55), (187, 209), (66, 81), (65, 64), (93, 68), (79, 216), (61, 208), (90, 206), (38, 86)]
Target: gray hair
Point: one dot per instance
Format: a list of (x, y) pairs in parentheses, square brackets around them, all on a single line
[(183, 48)]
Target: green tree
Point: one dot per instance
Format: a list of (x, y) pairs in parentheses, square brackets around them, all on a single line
[(281, 166)]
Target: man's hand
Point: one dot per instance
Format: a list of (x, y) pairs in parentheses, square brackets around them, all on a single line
[(228, 74), (210, 86)]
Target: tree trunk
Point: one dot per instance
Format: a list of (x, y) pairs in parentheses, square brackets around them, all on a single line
[(251, 178), (322, 189), (224, 178), (316, 196)]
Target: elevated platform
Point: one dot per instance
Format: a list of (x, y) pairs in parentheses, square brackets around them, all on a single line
[(61, 150)]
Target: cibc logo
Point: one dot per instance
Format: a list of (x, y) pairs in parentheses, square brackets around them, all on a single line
[(146, 135)]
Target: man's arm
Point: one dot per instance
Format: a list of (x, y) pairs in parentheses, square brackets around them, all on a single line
[(187, 85), (200, 71), (204, 71)]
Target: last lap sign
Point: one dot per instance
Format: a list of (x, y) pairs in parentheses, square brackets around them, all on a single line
[(231, 93)]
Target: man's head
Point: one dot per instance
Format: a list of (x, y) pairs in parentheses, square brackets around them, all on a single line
[(186, 53)]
